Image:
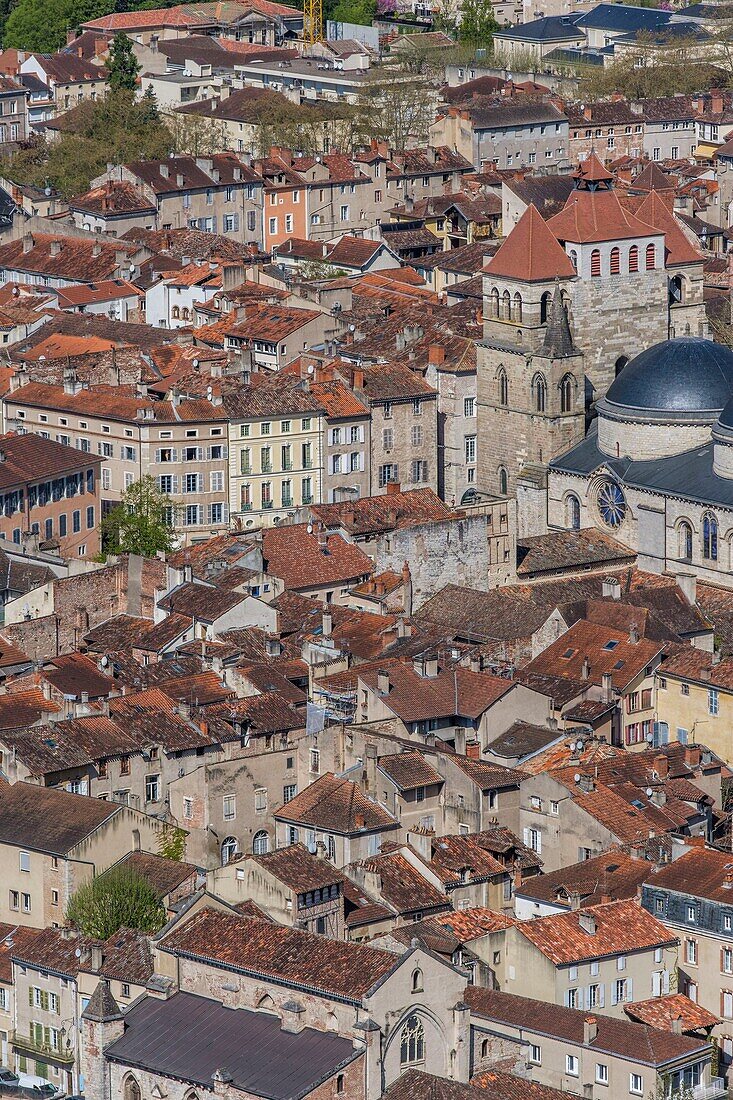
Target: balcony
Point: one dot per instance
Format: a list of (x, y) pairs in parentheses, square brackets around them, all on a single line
[(307, 498), (307, 463), (26, 1045), (246, 508), (266, 468), (287, 502), (267, 504), (715, 1087)]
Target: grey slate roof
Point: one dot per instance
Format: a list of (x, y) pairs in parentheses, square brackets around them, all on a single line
[(624, 18), (550, 28), (686, 377), (687, 476), (191, 1038)]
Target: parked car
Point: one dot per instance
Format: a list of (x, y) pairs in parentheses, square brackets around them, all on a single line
[(24, 1086)]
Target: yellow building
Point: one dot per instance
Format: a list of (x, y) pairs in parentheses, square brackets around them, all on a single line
[(275, 450), (695, 701)]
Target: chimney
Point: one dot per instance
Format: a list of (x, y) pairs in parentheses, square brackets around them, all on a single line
[(677, 1025), (436, 355), (716, 102), (585, 670), (692, 756), (293, 1017), (728, 880), (587, 784), (28, 242), (687, 583), (383, 682), (97, 958), (705, 674), (633, 634), (431, 668), (612, 588), (607, 687), (587, 923), (590, 1030), (327, 621), (56, 247), (393, 487)]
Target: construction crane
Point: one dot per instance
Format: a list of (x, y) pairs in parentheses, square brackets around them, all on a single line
[(312, 21)]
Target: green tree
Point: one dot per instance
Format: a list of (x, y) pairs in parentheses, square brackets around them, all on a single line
[(477, 23), (42, 25), (122, 66), (140, 524), (119, 898), (355, 11)]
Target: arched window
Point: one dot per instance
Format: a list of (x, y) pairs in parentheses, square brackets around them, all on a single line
[(572, 512), (191, 1095), (503, 388), (595, 262), (676, 290), (412, 1042), (228, 850), (185, 314), (503, 481), (620, 364), (574, 258), (566, 394), (539, 393), (684, 534), (651, 257), (709, 537), (417, 981), (615, 260), (518, 307), (265, 1004), (340, 1083), (332, 1021), (261, 843), (131, 1090), (544, 307), (506, 306), (175, 313), (494, 302), (633, 258), (485, 1048)]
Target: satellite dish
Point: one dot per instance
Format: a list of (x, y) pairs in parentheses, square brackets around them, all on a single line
[(649, 792), (310, 528), (104, 662), (579, 746), (576, 777), (195, 362), (311, 368), (78, 953), (572, 746)]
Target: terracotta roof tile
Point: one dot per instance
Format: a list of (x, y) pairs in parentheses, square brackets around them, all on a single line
[(49, 820), (454, 855), (294, 958), (301, 562), (401, 885), (337, 806), (606, 650), (409, 770), (14, 939), (414, 697), (531, 252), (664, 1012), (298, 868), (701, 872), (618, 927), (613, 875)]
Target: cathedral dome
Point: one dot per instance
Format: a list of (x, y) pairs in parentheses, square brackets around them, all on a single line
[(689, 378)]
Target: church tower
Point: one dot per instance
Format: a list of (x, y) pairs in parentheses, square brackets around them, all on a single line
[(531, 400)]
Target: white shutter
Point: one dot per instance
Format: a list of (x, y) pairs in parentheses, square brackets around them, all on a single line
[(567, 998), (601, 996), (200, 454), (656, 983), (157, 453), (665, 981), (613, 994), (579, 998), (174, 454), (361, 460), (629, 989), (527, 839)]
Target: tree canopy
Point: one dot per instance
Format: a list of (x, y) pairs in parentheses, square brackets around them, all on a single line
[(477, 23), (120, 898), (42, 25), (141, 523), (117, 128), (122, 65)]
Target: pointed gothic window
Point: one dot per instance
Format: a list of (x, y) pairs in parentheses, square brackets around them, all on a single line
[(494, 302), (539, 392), (518, 307), (685, 541), (412, 1042), (503, 388), (544, 306), (710, 537), (506, 306), (566, 394), (503, 481), (572, 512)]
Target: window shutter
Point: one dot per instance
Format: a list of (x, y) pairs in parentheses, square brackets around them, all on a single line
[(225, 452), (665, 981), (44, 1000), (567, 998), (614, 999), (579, 998), (174, 454), (601, 996), (361, 460), (629, 989), (526, 838), (157, 455), (656, 983), (225, 513), (30, 996), (539, 841), (47, 1036), (209, 514), (236, 223)]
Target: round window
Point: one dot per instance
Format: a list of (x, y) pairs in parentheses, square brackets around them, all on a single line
[(611, 504)]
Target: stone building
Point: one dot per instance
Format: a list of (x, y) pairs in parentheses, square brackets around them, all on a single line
[(656, 468), (538, 372)]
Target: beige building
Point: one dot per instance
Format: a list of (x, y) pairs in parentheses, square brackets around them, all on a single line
[(275, 450), (136, 436), (52, 841), (694, 691)]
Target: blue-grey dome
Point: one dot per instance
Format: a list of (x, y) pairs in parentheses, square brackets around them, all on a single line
[(725, 420), (687, 377)]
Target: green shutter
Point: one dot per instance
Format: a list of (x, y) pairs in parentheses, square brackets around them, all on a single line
[(47, 1036), (44, 1000), (30, 995)]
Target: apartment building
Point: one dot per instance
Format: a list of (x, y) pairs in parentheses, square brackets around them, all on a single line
[(404, 437), (585, 1054), (70, 79), (52, 841), (693, 897), (50, 490), (13, 112), (216, 194), (347, 442), (276, 459), (182, 444)]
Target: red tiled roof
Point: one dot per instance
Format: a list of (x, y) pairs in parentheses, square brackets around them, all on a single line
[(619, 927), (471, 924), (337, 806), (25, 708), (414, 697), (292, 957), (595, 216), (531, 252), (401, 883), (664, 1012), (607, 651), (678, 249), (409, 770), (30, 457), (297, 557)]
